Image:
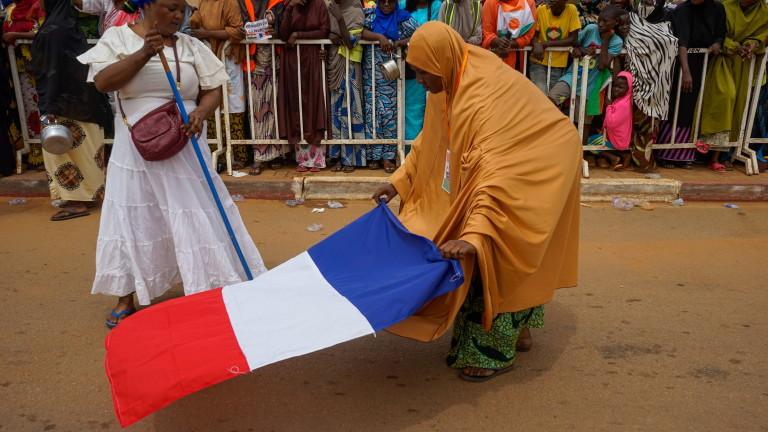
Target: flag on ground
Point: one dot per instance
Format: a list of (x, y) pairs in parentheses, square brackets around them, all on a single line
[(364, 278)]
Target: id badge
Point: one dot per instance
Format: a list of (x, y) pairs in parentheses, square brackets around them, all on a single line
[(447, 172)]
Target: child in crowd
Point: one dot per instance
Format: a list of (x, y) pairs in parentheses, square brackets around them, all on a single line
[(591, 38), (558, 25), (617, 126)]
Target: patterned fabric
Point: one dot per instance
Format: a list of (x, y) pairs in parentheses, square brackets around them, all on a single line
[(472, 346), (352, 154), (386, 94), (682, 135), (651, 51), (29, 98), (236, 132), (79, 174), (263, 121), (642, 136)]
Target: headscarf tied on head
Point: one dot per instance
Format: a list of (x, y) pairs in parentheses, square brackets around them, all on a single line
[(618, 118), (389, 24), (61, 79), (512, 176)]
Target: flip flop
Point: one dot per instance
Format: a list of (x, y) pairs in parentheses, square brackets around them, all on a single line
[(117, 316), (302, 169), (68, 213), (479, 379), (717, 167), (348, 169)]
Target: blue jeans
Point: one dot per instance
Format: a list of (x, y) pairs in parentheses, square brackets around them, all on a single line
[(538, 74)]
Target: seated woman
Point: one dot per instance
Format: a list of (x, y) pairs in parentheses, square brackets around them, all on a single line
[(159, 224), (481, 184), (617, 126), (392, 27)]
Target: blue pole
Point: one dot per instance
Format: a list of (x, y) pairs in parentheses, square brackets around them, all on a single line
[(204, 167)]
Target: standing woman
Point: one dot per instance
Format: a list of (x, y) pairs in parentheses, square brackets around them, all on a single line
[(392, 27), (696, 24), (76, 176), (263, 87), (346, 29), (509, 25), (22, 22), (422, 11), (216, 22), (482, 185), (159, 224), (303, 19), (727, 86)]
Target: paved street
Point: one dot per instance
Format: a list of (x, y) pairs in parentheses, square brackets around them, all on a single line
[(666, 332)]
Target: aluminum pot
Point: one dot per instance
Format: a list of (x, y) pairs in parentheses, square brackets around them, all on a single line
[(390, 69), (56, 138)]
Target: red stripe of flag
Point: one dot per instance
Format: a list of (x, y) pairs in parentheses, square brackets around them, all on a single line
[(168, 351)]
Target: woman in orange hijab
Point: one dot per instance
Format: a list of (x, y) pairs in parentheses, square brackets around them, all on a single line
[(493, 179)]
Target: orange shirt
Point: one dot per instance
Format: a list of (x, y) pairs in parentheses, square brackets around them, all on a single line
[(490, 26)]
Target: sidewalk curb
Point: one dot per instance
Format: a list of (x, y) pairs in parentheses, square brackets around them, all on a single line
[(353, 188)]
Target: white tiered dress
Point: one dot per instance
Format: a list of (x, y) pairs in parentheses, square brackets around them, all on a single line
[(159, 223)]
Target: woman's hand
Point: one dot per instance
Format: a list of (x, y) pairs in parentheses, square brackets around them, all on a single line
[(335, 39), (385, 193), (403, 43), (577, 52), (457, 249), (292, 40), (715, 49), (195, 125), (153, 43), (201, 33), (9, 38), (385, 44), (687, 83)]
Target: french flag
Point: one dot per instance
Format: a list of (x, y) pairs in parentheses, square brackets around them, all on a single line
[(364, 278)]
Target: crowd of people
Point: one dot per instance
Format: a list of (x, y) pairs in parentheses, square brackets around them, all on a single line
[(642, 47)]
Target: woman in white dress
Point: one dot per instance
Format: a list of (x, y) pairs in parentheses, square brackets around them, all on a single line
[(159, 224)]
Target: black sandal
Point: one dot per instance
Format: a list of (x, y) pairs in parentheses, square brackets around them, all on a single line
[(68, 213), (479, 379)]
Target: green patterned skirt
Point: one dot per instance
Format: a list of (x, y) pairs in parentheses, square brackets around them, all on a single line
[(472, 346)]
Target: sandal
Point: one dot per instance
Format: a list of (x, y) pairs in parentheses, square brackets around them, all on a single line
[(374, 165), (479, 379), (314, 170), (118, 316), (717, 167), (302, 169), (728, 166), (255, 170), (389, 167), (337, 167), (69, 213), (348, 169)]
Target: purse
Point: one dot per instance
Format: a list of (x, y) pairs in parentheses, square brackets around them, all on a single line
[(158, 135)]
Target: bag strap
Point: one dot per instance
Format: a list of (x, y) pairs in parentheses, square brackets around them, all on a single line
[(178, 84)]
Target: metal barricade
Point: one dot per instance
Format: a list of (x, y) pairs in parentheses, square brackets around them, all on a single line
[(272, 43), (746, 150), (29, 140)]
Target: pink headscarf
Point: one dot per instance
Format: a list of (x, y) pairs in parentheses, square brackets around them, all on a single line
[(618, 118)]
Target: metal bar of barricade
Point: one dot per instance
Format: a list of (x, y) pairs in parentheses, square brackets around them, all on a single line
[(274, 92), (227, 126), (301, 99), (325, 88), (677, 105), (373, 90), (700, 100), (549, 70), (248, 84), (739, 154), (746, 149), (574, 81), (347, 87), (20, 108)]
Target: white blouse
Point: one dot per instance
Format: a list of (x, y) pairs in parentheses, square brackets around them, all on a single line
[(200, 69)]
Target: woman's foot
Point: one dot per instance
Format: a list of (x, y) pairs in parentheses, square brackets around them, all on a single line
[(476, 374), (389, 166), (337, 166), (374, 165), (717, 167), (603, 163), (255, 169), (302, 169), (124, 308), (348, 169), (668, 165), (524, 341), (72, 210)]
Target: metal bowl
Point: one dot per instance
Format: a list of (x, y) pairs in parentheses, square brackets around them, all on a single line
[(56, 139), (390, 70)]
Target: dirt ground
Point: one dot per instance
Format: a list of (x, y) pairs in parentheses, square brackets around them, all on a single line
[(666, 332)]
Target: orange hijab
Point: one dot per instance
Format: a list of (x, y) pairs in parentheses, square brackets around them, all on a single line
[(513, 164)]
